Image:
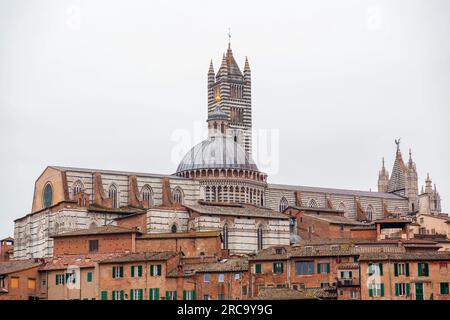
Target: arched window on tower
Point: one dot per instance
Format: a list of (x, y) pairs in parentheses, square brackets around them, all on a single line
[(283, 204), (177, 196), (48, 195), (313, 203), (225, 236), (370, 212), (173, 229), (341, 207), (146, 194), (113, 196), (260, 238)]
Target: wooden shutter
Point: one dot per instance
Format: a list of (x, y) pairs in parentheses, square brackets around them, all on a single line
[(139, 271), (281, 267), (89, 277), (122, 295), (184, 294), (382, 289), (407, 269), (258, 268), (419, 267), (114, 295), (151, 270), (156, 294), (104, 295), (274, 267), (396, 270), (150, 294), (426, 270), (408, 289), (381, 268), (397, 289), (132, 271), (318, 268), (113, 272), (167, 295), (131, 294), (159, 270), (56, 280), (141, 294), (174, 295), (121, 271), (370, 290), (328, 268), (193, 295)]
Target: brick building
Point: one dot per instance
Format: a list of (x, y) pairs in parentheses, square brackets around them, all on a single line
[(19, 280), (405, 276)]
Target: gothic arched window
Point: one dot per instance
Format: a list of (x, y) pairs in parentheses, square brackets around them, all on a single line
[(283, 204), (225, 236), (112, 193), (341, 207), (313, 203), (48, 195), (370, 212), (146, 194), (177, 196), (260, 238), (173, 229), (77, 187)]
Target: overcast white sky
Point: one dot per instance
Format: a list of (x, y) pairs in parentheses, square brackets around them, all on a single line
[(104, 84)]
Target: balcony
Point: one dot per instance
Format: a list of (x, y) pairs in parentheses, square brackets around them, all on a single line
[(348, 282)]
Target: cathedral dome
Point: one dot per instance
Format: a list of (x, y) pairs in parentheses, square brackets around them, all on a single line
[(217, 152)]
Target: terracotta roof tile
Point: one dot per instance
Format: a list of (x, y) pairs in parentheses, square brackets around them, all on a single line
[(97, 231), (17, 265)]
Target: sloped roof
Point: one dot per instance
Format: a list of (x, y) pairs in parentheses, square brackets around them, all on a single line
[(244, 210), (181, 235), (291, 294), (416, 256), (17, 265), (226, 265), (347, 192), (397, 182), (79, 260), (141, 256), (334, 219)]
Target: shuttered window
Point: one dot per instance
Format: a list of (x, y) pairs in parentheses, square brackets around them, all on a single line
[(257, 268), (89, 277), (153, 294)]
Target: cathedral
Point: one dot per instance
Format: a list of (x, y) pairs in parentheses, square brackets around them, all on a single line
[(216, 187)]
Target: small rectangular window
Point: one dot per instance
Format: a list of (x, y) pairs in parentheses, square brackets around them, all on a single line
[(221, 277), (31, 284), (14, 282), (206, 278), (444, 288), (93, 245)]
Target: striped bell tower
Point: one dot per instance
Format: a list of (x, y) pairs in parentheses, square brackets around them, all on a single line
[(230, 89)]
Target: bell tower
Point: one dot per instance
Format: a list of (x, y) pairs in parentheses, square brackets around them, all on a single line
[(230, 89)]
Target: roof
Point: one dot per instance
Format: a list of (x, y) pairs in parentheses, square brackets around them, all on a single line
[(122, 210), (183, 235), (348, 265), (304, 251), (115, 172), (444, 217), (245, 210), (334, 219), (17, 265), (141, 256), (80, 261), (217, 152), (226, 265), (358, 193), (314, 209), (417, 256), (217, 114), (110, 229), (7, 239), (291, 294), (392, 220)]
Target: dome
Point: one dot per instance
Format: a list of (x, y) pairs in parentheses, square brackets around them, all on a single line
[(217, 152)]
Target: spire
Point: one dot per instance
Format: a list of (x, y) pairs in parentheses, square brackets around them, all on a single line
[(247, 65), (428, 184), (223, 70), (211, 68), (399, 170)]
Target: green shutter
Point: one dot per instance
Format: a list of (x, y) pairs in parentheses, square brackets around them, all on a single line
[(397, 289), (151, 270), (426, 270), (89, 277), (132, 271), (122, 295), (382, 289), (121, 271), (56, 280), (156, 294), (141, 294), (407, 269), (318, 268), (274, 267), (370, 290), (258, 268), (381, 268), (419, 269), (184, 294), (150, 294), (159, 269), (167, 295), (113, 272), (328, 268), (113, 295), (104, 295), (282, 267), (131, 294), (139, 271), (396, 269), (407, 289), (193, 295), (175, 295)]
